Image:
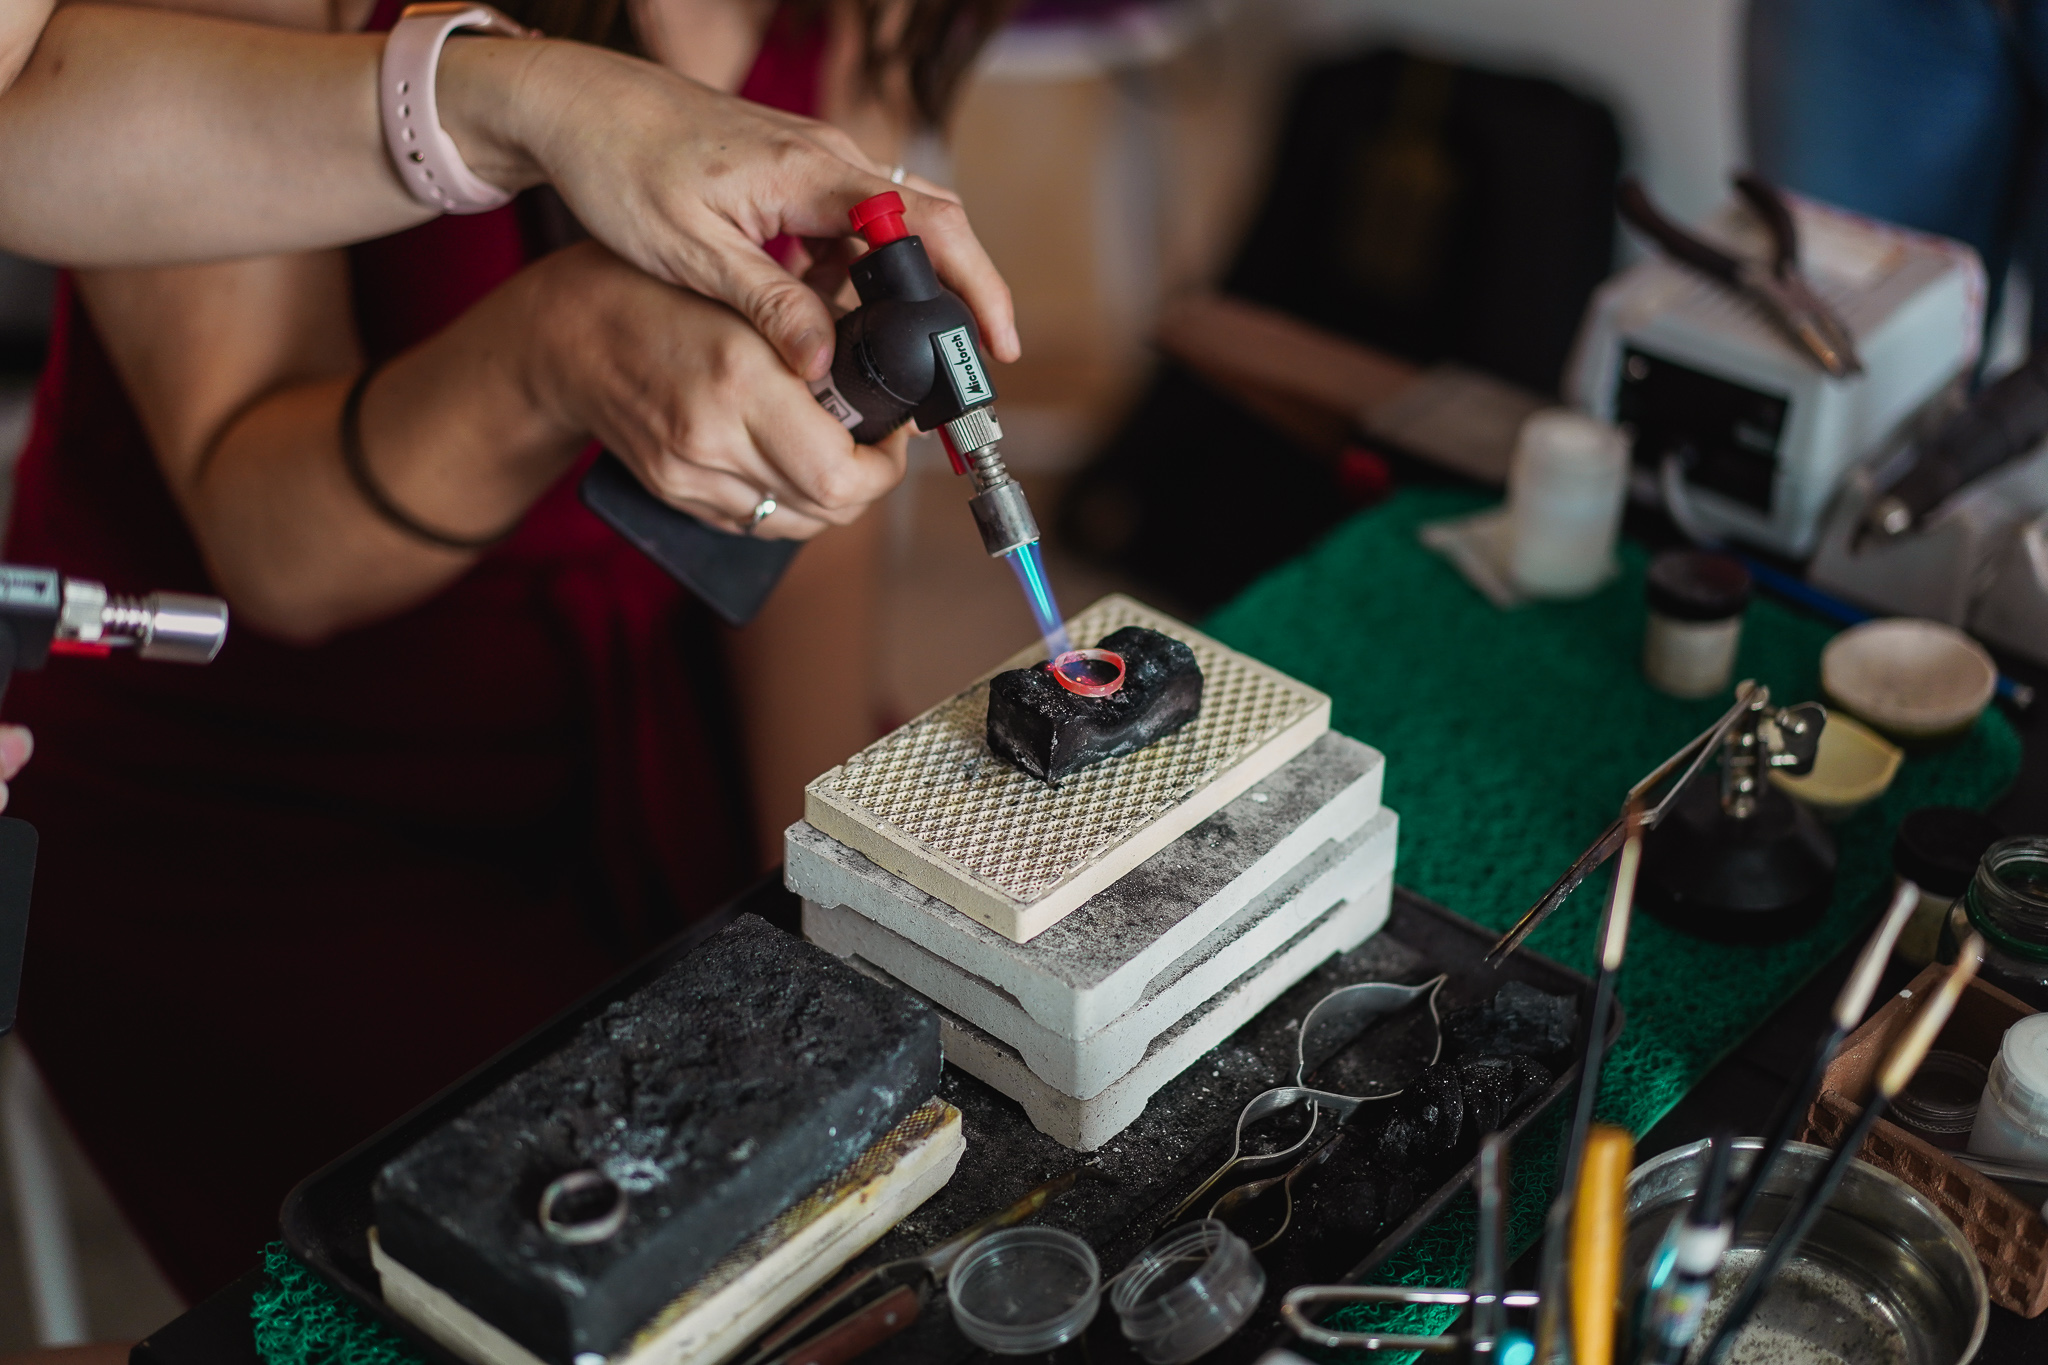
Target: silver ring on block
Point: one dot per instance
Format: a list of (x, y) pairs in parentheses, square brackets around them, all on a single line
[(582, 1208)]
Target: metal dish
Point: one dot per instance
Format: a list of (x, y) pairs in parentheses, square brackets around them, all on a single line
[(1884, 1279)]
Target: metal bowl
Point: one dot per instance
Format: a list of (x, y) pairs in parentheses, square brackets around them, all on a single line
[(1883, 1279)]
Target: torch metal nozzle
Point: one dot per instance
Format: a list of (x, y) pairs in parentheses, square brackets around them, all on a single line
[(171, 627), (1000, 508)]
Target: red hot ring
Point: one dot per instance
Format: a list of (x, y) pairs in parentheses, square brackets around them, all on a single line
[(1081, 680)]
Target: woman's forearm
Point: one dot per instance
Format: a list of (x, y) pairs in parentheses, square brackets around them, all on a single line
[(449, 432), (145, 137), (139, 137)]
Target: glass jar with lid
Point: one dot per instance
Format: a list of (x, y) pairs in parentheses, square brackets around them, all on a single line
[(2007, 902)]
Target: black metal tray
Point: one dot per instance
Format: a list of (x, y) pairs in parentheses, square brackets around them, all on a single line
[(1151, 1167)]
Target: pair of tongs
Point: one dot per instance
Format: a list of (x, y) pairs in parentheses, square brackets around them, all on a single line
[(1693, 755), (1779, 288), (1337, 1019), (869, 1307)]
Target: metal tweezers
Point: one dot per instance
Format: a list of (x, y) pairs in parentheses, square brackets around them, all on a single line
[(1337, 1019), (1698, 750), (1779, 288)]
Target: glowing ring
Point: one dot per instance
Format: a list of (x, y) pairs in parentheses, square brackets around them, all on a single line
[(1081, 687)]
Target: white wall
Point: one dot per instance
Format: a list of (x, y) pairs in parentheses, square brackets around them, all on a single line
[(1669, 69)]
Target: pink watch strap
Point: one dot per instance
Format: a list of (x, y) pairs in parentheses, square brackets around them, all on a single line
[(426, 157)]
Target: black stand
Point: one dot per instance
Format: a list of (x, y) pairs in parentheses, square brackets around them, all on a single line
[(1762, 878)]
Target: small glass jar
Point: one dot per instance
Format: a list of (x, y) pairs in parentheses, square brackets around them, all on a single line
[(2008, 904)]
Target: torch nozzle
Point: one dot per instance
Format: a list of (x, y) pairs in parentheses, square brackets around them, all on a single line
[(1000, 508), (172, 627)]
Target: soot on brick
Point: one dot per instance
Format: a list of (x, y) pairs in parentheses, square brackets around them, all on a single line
[(716, 1096), (1049, 732)]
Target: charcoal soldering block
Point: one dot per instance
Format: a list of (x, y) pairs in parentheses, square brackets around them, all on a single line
[(716, 1096), (1049, 732)]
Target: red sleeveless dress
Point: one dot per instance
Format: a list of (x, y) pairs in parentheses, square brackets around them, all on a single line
[(284, 898)]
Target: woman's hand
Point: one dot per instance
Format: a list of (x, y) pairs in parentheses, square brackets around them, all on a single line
[(688, 184), (690, 396)]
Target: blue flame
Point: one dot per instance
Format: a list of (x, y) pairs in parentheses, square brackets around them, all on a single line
[(1029, 564)]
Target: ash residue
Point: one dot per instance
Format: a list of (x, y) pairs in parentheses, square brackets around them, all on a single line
[(1050, 732), (1185, 1132)]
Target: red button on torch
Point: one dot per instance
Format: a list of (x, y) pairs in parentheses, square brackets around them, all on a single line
[(880, 219)]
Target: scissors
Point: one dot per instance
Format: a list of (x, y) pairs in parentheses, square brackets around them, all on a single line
[(1778, 288), (1337, 1019)]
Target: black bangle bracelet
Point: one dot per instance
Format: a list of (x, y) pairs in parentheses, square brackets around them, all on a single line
[(380, 502)]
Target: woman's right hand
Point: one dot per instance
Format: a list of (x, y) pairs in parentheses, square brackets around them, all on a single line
[(693, 399), (689, 184)]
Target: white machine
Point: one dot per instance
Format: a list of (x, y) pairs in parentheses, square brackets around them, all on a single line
[(1737, 430)]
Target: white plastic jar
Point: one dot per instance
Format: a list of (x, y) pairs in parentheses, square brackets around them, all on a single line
[(1565, 490), (2012, 1118)]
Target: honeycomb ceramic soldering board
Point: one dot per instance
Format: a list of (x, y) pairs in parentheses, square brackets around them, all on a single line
[(931, 804)]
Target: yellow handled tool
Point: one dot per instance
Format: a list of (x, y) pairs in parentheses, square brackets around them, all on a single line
[(1597, 1231)]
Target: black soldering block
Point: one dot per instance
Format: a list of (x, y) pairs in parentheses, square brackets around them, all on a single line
[(1050, 732), (716, 1096)]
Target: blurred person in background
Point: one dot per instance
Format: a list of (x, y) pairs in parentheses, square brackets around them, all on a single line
[(1925, 113), (465, 750)]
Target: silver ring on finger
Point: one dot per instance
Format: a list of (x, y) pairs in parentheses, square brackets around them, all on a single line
[(763, 510), (896, 175)]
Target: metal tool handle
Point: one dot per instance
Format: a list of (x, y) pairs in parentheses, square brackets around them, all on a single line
[(1340, 1295), (860, 1333), (1765, 201), (1640, 213)]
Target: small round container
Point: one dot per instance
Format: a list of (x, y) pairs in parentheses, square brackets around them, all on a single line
[(1940, 1102), (1023, 1291), (2012, 1118), (1696, 604), (1185, 1295), (1937, 848), (1853, 767), (1565, 489), (1920, 682)]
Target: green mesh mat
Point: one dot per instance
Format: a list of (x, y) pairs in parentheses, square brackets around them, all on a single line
[(1510, 739)]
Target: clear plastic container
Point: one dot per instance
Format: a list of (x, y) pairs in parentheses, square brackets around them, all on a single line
[(1023, 1291), (2012, 1118), (1940, 1102), (1185, 1295)]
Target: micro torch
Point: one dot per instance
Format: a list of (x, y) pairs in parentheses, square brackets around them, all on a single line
[(43, 613), (910, 352)]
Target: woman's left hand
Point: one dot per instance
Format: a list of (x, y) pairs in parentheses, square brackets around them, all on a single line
[(689, 184)]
